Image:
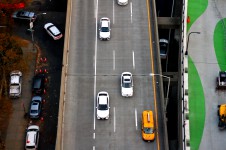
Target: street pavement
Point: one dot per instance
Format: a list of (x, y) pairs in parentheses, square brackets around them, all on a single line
[(203, 57), (17, 123), (45, 46)]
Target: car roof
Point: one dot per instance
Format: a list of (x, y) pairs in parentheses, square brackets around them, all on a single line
[(105, 24), (30, 141), (54, 30), (127, 79), (15, 78), (35, 106), (148, 118), (102, 99)]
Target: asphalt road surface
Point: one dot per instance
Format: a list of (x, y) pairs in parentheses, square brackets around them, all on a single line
[(95, 65)]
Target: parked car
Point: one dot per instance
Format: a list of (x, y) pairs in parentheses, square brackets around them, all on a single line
[(104, 29), (15, 84), (122, 2), (127, 84), (221, 80), (38, 86), (163, 43), (53, 31), (102, 105), (36, 107), (24, 15), (32, 137)]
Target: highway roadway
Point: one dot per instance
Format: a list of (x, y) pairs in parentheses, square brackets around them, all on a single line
[(95, 65)]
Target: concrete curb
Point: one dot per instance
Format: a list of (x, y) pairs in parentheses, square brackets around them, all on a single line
[(60, 127)]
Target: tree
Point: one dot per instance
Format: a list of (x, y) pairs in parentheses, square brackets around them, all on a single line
[(11, 58)]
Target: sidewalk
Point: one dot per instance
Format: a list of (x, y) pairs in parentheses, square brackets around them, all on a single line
[(15, 138)]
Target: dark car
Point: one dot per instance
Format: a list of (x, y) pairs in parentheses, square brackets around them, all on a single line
[(38, 86), (163, 44), (25, 15)]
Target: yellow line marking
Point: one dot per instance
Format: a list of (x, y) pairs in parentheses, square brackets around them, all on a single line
[(152, 69)]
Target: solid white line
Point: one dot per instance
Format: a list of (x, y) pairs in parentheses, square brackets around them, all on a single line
[(113, 59), (114, 120), (131, 11), (93, 147), (95, 72), (136, 118), (113, 11), (133, 61), (94, 136)]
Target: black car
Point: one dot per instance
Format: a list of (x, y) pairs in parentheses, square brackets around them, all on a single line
[(38, 86)]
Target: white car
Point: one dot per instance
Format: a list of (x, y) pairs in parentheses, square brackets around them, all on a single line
[(104, 29), (15, 84), (127, 84), (122, 2), (53, 31), (32, 137), (103, 105)]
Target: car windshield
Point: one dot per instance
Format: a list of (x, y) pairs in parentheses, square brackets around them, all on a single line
[(127, 85), (34, 111), (30, 147), (148, 130), (104, 29), (163, 48), (102, 107)]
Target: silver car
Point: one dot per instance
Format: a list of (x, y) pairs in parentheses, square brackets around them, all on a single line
[(36, 107), (25, 15)]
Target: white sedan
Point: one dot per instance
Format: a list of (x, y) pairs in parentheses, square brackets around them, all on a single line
[(127, 84), (122, 2), (104, 29), (102, 105), (53, 31)]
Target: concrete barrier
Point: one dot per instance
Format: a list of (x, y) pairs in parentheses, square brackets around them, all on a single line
[(60, 126)]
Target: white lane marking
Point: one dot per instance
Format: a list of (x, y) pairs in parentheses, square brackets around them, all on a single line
[(94, 136), (113, 59), (133, 60), (113, 11), (93, 147), (95, 72), (114, 120), (136, 118), (131, 11)]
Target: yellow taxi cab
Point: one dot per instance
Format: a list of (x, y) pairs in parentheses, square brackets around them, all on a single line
[(222, 116), (148, 131)]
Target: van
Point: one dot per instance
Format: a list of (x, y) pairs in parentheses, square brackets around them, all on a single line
[(148, 130)]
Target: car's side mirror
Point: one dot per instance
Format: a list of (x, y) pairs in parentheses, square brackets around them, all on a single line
[(108, 107), (96, 107)]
